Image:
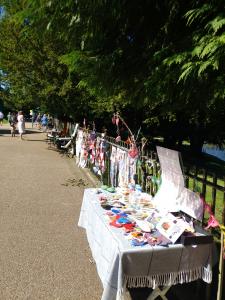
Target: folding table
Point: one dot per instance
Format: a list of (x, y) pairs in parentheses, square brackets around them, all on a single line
[(121, 266)]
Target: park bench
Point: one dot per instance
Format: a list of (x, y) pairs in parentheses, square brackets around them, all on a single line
[(64, 143)]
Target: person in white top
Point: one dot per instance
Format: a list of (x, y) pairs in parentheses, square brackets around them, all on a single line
[(21, 124), (1, 118)]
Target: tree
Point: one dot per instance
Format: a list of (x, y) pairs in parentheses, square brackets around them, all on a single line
[(158, 62), (34, 70)]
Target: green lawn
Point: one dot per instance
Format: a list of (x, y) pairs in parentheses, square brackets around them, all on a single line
[(213, 166), (219, 204)]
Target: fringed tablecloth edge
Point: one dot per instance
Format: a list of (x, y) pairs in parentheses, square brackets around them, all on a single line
[(168, 279)]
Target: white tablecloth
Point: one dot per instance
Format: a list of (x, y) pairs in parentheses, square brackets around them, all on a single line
[(120, 265)]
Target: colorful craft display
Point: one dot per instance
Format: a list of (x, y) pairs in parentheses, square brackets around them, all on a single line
[(94, 149), (135, 214)]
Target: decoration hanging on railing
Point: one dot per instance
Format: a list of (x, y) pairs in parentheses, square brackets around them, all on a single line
[(213, 222), (133, 152)]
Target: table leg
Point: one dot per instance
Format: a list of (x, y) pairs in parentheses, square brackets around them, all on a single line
[(159, 292)]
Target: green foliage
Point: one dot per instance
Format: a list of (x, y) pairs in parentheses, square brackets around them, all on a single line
[(161, 63)]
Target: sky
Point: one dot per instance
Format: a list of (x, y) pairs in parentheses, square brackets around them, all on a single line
[(2, 11)]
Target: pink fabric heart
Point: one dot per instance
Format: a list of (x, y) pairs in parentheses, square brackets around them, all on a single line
[(133, 152), (118, 139), (212, 222)]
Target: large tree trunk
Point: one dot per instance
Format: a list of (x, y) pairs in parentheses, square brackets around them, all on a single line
[(170, 141), (196, 143)]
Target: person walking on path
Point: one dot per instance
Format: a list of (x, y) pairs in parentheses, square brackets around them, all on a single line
[(1, 118), (21, 124), (44, 122), (32, 114), (9, 116), (12, 123), (38, 121)]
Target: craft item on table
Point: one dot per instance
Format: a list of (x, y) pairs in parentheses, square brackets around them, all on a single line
[(190, 226), (171, 227), (139, 243), (123, 220), (116, 196), (144, 225), (116, 224), (136, 235), (118, 204), (156, 238), (154, 217), (104, 187), (145, 201), (109, 213), (102, 198), (132, 198), (139, 215), (119, 222), (106, 206), (151, 240), (129, 210), (111, 190), (128, 227), (137, 238), (104, 202), (124, 190), (98, 191), (123, 214), (116, 211)]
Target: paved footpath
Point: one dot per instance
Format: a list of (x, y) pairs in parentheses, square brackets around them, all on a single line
[(43, 253)]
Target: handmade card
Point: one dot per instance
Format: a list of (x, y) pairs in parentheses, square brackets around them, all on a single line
[(171, 227)]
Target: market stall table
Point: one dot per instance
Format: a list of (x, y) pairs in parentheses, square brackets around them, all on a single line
[(121, 265)]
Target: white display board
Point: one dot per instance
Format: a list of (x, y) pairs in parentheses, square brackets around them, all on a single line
[(172, 194)]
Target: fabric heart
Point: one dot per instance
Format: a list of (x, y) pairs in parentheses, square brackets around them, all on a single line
[(133, 152), (118, 139)]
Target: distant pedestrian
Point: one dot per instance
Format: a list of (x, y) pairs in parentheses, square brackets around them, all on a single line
[(32, 115), (50, 123), (13, 122), (38, 121), (9, 116), (44, 122), (21, 124), (1, 118)]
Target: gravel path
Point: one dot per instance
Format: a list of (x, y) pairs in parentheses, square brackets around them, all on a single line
[(43, 253)]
